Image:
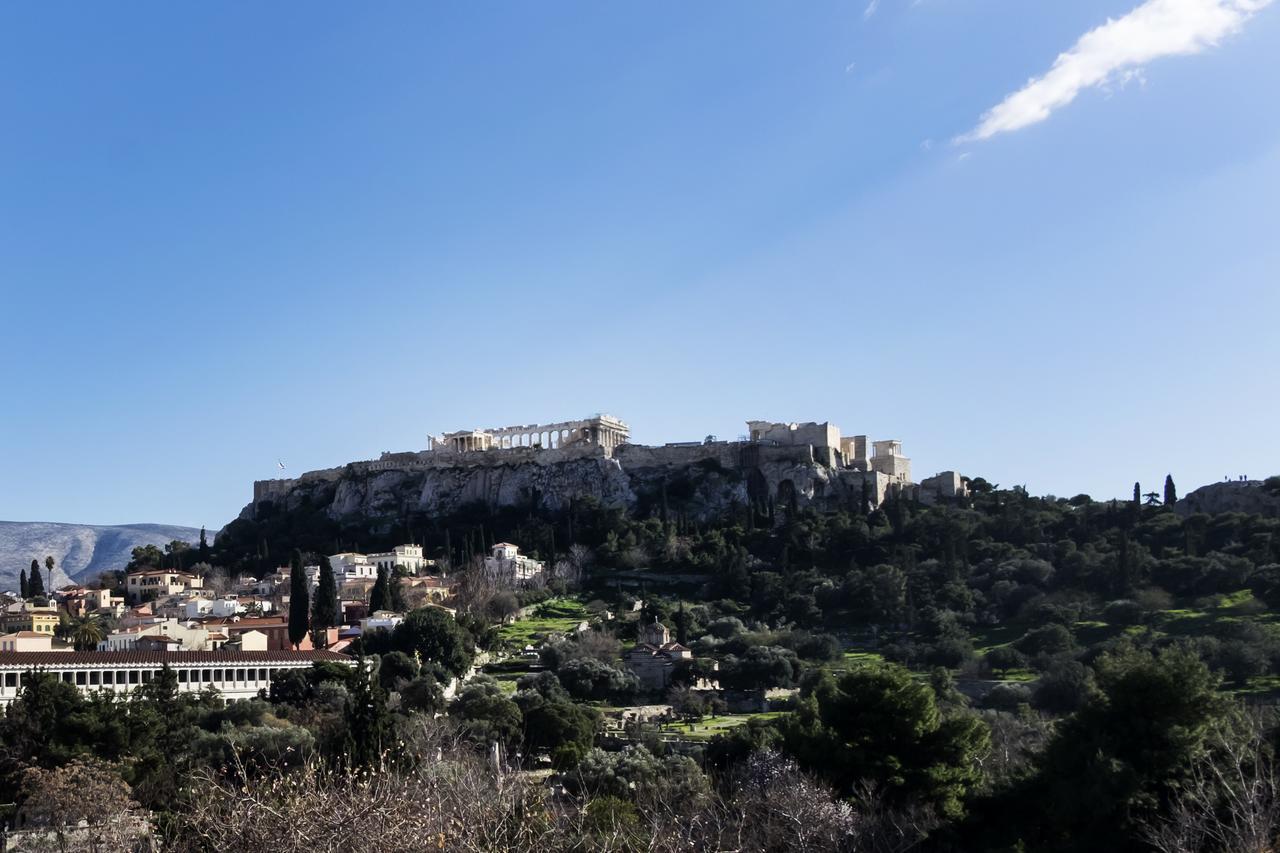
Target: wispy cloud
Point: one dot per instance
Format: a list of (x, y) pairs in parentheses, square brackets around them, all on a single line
[(870, 10), (1116, 52)]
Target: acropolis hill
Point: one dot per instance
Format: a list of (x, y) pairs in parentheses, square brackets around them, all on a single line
[(789, 465)]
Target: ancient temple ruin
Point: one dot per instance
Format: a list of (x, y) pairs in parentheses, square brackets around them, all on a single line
[(598, 430)]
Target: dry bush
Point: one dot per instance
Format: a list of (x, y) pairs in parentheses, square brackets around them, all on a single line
[(1231, 800), (457, 799)]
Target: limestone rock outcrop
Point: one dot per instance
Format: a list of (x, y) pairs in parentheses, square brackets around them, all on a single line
[(701, 480), (1249, 496)]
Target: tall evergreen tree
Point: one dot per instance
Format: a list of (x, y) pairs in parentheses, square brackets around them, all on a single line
[(35, 582), (1135, 508), (396, 584), (367, 718), (682, 620), (22, 583), (1170, 491), (204, 546), (380, 596), (324, 613), (299, 601)]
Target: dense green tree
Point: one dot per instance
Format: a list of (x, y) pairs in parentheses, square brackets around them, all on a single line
[(1170, 491), (422, 694), (487, 715), (551, 719), (1115, 762), (299, 601), (588, 678), (396, 668), (35, 581), (367, 718), (22, 584), (879, 723), (1001, 659), (324, 612), (682, 622), (380, 595), (433, 635)]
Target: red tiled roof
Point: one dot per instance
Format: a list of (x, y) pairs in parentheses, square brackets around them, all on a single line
[(27, 659)]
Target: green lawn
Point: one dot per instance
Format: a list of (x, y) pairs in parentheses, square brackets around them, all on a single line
[(557, 615), (709, 727)]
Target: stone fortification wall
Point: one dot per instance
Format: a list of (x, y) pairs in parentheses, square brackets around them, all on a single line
[(718, 475)]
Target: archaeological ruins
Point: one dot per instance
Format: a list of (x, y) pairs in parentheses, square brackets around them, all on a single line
[(774, 464)]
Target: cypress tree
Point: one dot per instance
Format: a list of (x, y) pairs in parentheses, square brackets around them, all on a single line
[(682, 621), (380, 596), (367, 718), (1170, 491), (299, 601), (324, 613), (35, 583), (204, 546), (1136, 507), (397, 593), (22, 583)]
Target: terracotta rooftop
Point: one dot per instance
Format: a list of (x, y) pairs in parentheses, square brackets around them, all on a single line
[(30, 659)]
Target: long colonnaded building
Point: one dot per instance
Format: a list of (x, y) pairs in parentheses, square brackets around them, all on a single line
[(235, 675)]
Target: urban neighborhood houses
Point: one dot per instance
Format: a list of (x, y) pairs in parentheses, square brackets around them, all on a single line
[(505, 563), (231, 635)]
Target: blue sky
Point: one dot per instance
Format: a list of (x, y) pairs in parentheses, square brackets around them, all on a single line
[(1034, 245)]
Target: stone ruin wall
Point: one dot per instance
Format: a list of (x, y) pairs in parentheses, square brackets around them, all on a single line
[(812, 473)]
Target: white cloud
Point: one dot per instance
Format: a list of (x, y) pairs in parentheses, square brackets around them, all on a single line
[(870, 10), (1116, 51)]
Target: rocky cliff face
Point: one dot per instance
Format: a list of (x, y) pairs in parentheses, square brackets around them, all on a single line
[(703, 481), (1234, 496)]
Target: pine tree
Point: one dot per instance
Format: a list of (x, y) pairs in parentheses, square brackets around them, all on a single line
[(324, 613), (1170, 491), (35, 582), (380, 596), (299, 601), (22, 583)]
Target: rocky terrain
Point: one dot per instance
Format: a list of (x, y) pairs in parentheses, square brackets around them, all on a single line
[(79, 550), (699, 482), (1250, 496)]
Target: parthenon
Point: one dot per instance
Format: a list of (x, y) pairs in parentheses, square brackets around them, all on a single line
[(602, 430)]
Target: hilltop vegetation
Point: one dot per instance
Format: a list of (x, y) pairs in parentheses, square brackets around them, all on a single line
[(1006, 672)]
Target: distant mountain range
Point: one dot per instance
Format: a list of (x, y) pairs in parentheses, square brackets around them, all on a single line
[(79, 550)]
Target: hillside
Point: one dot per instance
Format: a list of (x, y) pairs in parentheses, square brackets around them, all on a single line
[(80, 550)]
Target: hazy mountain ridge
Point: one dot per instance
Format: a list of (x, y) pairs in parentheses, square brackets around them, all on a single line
[(80, 550)]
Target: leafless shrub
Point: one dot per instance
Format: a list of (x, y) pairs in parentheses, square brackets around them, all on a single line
[(454, 798), (83, 805), (1230, 802)]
